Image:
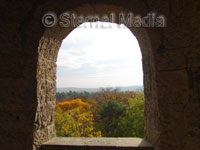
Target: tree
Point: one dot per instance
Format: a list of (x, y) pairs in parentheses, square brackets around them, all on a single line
[(109, 116), (76, 103), (111, 112), (65, 124), (132, 124), (74, 118)]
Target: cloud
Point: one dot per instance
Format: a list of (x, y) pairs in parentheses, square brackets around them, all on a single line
[(99, 54)]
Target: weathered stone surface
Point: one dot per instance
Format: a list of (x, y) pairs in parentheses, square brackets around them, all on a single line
[(171, 66), (97, 144)]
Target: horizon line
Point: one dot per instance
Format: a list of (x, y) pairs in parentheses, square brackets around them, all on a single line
[(100, 86)]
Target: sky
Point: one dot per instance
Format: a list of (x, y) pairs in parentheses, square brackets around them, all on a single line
[(99, 55)]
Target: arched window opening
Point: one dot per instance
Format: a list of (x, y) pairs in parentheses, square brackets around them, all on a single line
[(100, 83)]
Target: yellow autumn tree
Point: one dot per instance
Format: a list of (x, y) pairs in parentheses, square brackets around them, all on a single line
[(65, 124), (74, 118)]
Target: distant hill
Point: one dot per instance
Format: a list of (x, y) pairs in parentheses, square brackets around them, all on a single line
[(136, 88)]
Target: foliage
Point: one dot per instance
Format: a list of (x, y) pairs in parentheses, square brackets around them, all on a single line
[(132, 124), (109, 117), (108, 113), (68, 96), (76, 103), (74, 118), (65, 124)]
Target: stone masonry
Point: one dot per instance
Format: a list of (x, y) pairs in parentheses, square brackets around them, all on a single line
[(171, 66)]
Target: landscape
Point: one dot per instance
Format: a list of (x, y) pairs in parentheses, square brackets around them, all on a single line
[(103, 112)]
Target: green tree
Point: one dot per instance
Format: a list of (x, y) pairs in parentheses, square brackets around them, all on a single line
[(109, 116), (132, 124)]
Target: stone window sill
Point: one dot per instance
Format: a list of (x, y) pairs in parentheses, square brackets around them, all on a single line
[(84, 143)]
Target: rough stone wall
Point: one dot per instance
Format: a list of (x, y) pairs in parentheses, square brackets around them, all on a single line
[(46, 91), (177, 82), (171, 57), (18, 60)]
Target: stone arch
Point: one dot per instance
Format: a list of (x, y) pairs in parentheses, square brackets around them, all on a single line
[(49, 43), (172, 107)]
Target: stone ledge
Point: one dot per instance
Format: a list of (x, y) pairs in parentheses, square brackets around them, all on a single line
[(83, 143)]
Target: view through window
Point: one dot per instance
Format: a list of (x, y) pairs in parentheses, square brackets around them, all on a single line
[(99, 83)]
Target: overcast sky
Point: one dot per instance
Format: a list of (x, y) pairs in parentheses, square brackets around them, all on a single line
[(92, 56)]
